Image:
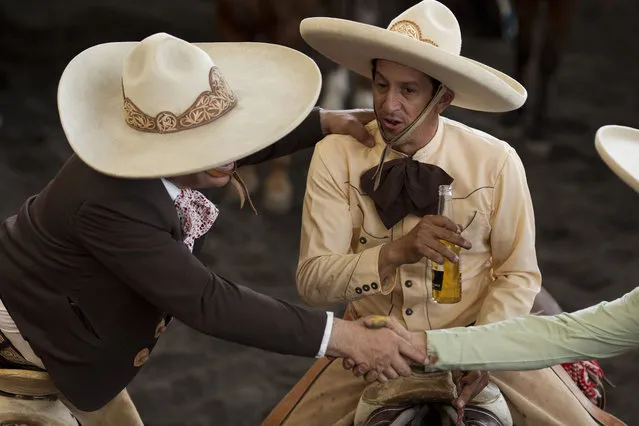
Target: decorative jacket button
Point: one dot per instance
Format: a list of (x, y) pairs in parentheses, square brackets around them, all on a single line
[(141, 358), (362, 240), (365, 287), (358, 290), (408, 283), (409, 311), (161, 328), (374, 286)]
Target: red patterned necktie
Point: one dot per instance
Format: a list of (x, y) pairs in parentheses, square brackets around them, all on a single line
[(196, 214)]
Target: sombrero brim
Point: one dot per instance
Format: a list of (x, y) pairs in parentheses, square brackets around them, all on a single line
[(354, 45), (618, 146), (276, 87)]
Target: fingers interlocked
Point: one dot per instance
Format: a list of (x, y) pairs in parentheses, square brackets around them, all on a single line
[(391, 360)]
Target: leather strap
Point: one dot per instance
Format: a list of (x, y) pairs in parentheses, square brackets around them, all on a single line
[(284, 408), (597, 413)]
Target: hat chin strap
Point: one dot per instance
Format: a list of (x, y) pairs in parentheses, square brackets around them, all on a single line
[(402, 136), (242, 190), (238, 185)]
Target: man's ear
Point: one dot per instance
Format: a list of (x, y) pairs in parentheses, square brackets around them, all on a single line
[(445, 101)]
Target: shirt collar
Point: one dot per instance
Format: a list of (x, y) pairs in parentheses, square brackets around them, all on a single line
[(171, 188), (431, 146)]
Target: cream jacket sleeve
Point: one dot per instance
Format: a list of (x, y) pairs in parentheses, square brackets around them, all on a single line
[(512, 240), (535, 342), (328, 270)]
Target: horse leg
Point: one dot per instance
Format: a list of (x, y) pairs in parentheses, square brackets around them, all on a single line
[(527, 11), (369, 12), (558, 17), (339, 80), (278, 188), (363, 96), (236, 24)]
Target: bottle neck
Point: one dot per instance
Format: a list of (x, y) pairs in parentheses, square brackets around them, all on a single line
[(445, 207)]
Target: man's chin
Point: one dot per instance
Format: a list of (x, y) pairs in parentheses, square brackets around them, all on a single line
[(216, 181), (390, 133)]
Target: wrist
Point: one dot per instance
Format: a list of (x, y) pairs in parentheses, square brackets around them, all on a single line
[(334, 343), (420, 340), (339, 337), (389, 255)]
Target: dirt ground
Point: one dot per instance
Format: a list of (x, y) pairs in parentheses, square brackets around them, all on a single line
[(587, 220)]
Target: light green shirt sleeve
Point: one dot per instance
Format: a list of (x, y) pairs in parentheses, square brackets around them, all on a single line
[(534, 342)]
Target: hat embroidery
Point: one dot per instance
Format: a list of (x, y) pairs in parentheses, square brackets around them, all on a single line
[(209, 106), (410, 29)]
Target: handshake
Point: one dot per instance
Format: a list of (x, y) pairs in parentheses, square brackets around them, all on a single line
[(376, 347), (380, 348)]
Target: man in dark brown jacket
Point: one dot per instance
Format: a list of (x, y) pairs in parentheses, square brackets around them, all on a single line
[(94, 267)]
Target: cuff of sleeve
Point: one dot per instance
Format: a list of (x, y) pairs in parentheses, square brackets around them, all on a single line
[(445, 345), (365, 279), (327, 335)]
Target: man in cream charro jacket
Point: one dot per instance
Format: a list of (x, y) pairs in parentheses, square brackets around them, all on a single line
[(369, 230)]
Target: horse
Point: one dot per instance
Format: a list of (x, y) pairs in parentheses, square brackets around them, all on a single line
[(557, 16), (278, 22)]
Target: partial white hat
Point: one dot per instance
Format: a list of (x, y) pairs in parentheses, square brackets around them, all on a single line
[(425, 37), (618, 146), (165, 107)]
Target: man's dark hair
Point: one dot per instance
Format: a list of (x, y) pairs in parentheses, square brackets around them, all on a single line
[(436, 83)]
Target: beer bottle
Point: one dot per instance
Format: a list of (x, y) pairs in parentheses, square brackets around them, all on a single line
[(447, 277)]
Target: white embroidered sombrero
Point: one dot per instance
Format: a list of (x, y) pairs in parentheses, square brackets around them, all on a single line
[(425, 37), (618, 146), (164, 107)]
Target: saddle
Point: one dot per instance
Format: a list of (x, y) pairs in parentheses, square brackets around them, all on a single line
[(28, 396), (426, 398)]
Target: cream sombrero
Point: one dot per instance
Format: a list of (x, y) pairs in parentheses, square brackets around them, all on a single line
[(425, 37), (164, 107), (618, 146)]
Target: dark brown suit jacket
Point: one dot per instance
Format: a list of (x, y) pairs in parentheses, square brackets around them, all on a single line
[(91, 266)]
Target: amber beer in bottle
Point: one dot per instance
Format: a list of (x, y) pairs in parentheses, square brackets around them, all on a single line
[(447, 277)]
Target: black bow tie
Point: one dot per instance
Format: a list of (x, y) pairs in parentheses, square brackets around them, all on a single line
[(406, 186)]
